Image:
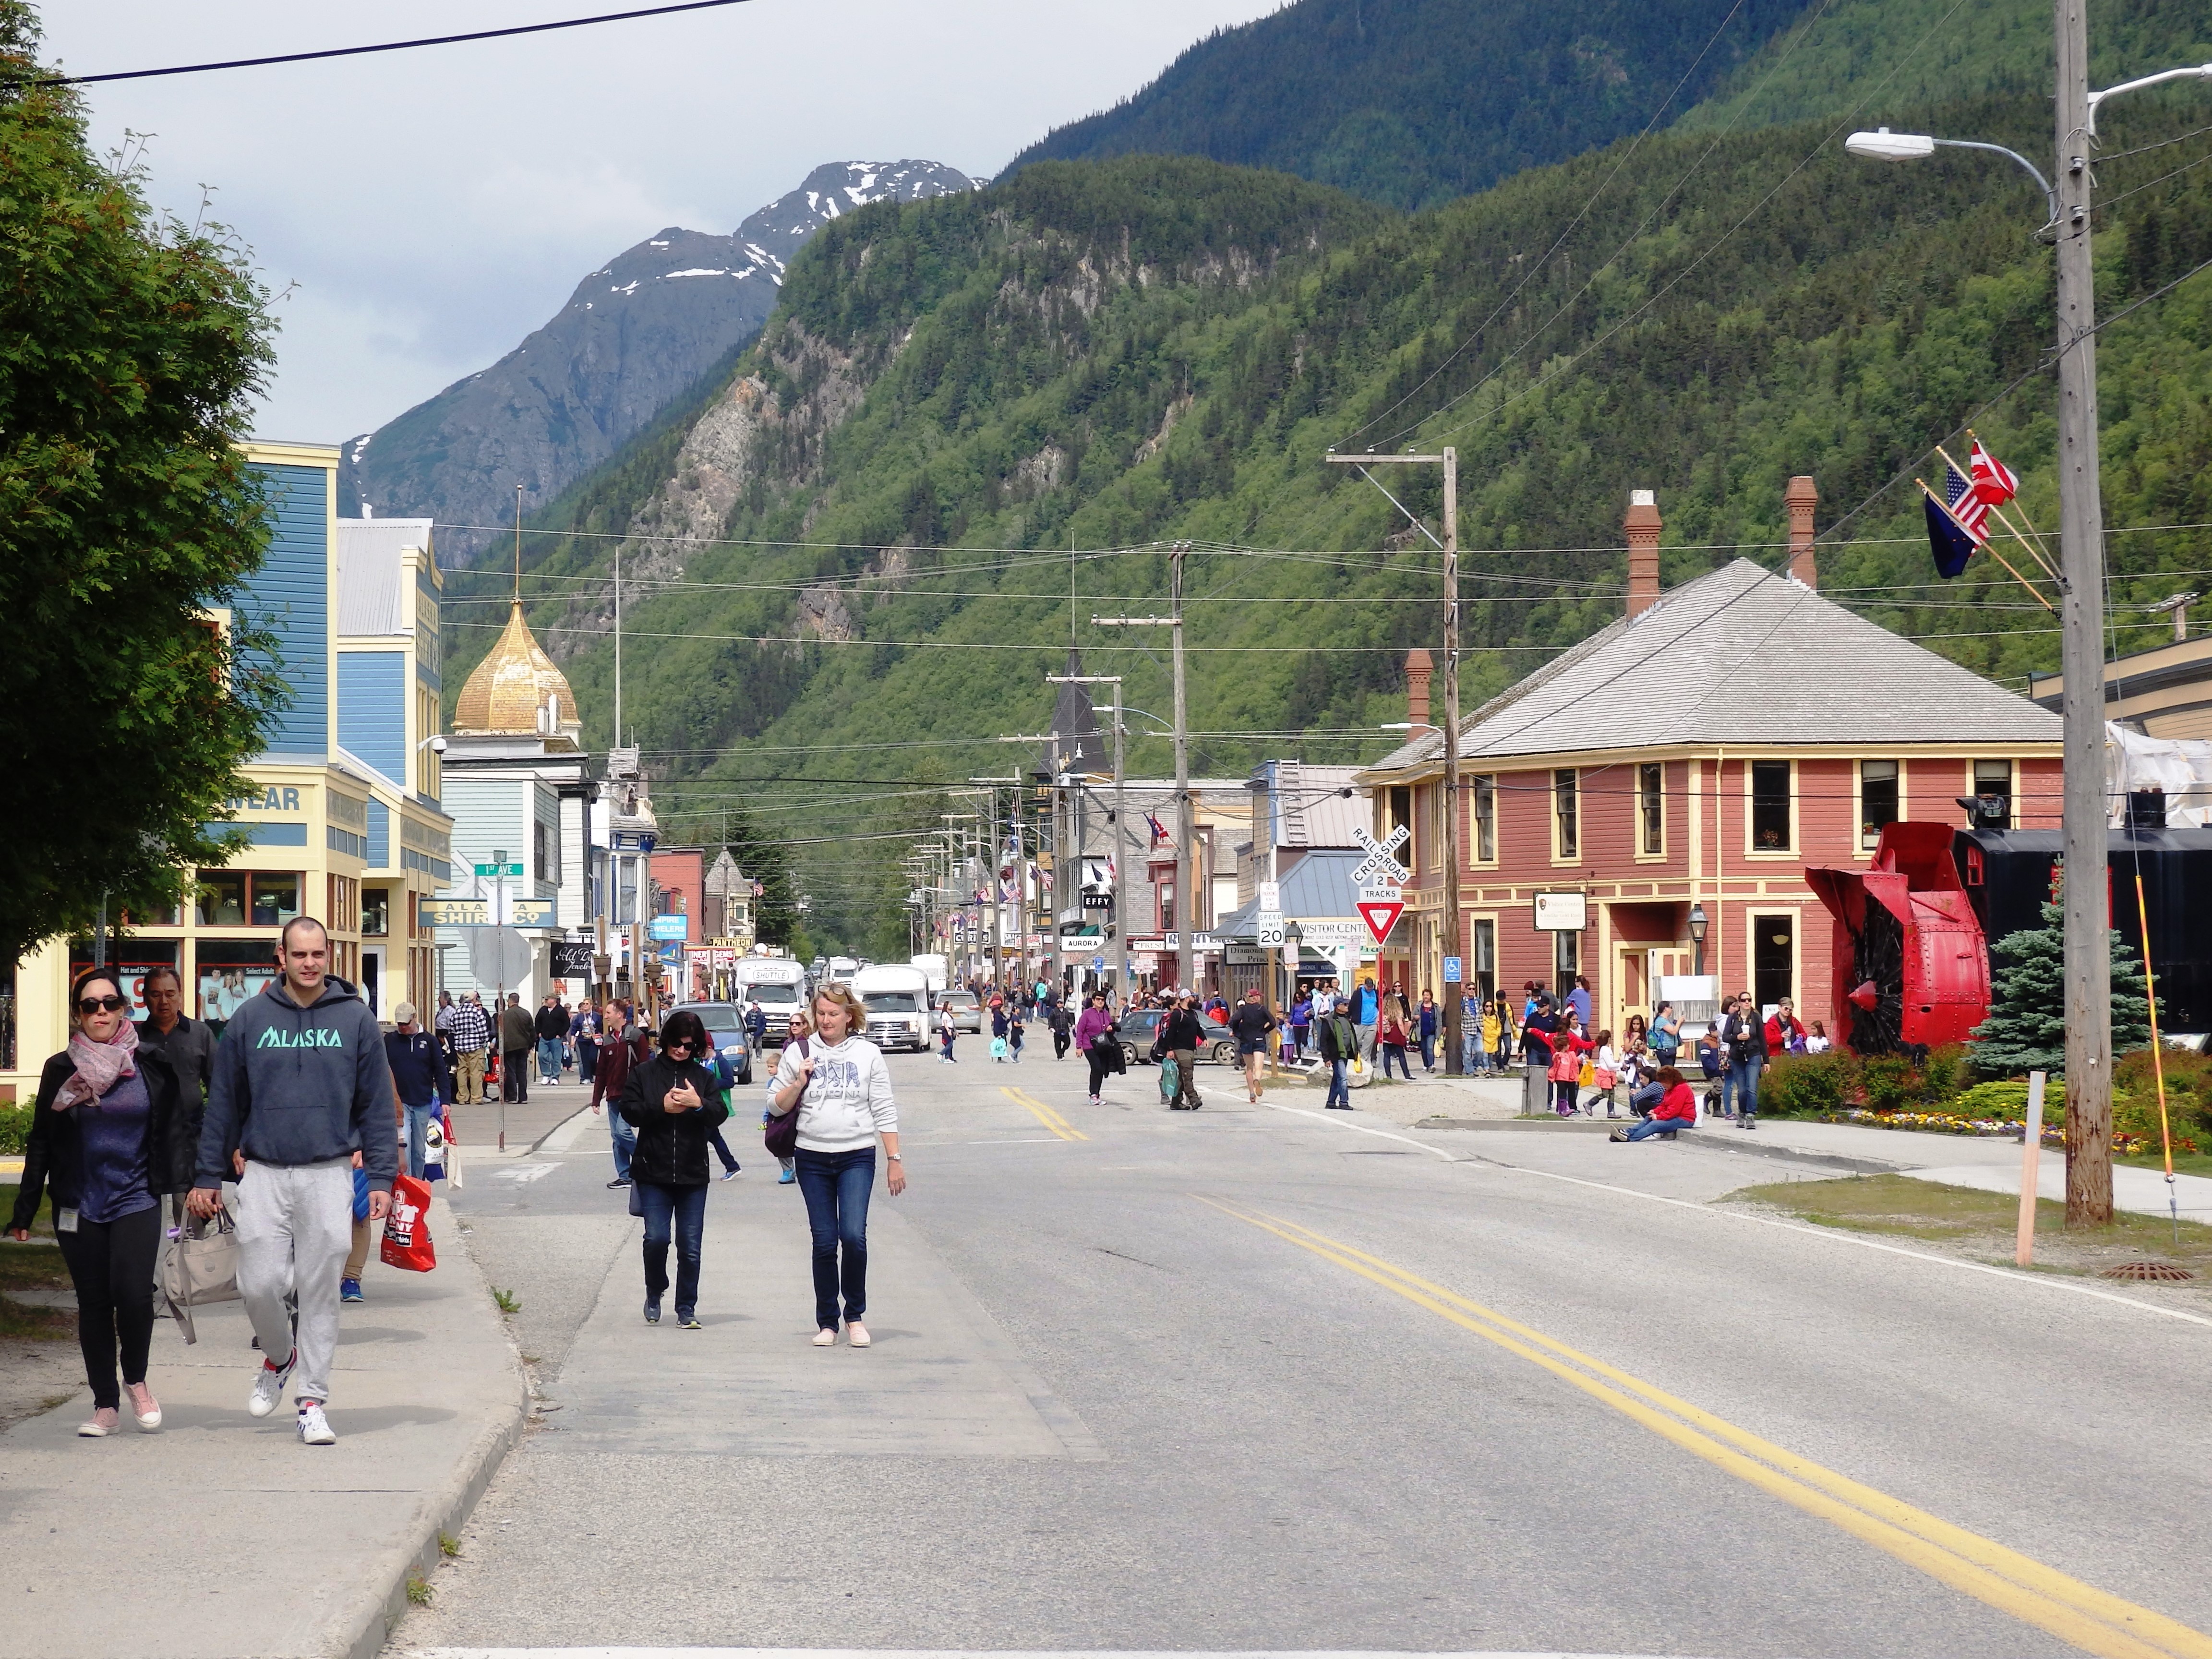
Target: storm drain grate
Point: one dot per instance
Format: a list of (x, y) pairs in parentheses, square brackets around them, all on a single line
[(2160, 1270)]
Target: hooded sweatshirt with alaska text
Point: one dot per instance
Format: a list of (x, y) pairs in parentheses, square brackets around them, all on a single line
[(297, 1086)]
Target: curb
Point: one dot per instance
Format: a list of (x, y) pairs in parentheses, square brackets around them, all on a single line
[(442, 1510)]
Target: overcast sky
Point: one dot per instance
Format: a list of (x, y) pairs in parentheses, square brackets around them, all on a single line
[(432, 207)]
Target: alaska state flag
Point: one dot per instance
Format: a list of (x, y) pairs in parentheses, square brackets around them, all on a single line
[(1950, 545)]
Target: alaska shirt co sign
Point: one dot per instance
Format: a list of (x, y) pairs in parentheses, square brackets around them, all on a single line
[(478, 913)]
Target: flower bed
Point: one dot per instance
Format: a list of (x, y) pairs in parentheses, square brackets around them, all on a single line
[(1942, 1123)]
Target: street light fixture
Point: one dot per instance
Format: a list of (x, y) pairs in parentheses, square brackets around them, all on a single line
[(1883, 145), (1700, 921)]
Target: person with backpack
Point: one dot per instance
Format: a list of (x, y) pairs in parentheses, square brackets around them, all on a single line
[(838, 1084), (617, 1055), (1337, 1040), (1665, 1037), (675, 1103)]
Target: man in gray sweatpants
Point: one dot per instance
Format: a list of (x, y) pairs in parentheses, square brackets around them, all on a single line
[(301, 1087)]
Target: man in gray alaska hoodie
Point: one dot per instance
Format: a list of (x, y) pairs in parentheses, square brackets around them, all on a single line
[(300, 1086)]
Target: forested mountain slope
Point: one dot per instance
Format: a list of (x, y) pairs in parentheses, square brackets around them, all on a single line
[(865, 539)]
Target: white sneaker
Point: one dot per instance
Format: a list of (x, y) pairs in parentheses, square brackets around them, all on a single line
[(857, 1334), (269, 1386), (314, 1427), (825, 1338)]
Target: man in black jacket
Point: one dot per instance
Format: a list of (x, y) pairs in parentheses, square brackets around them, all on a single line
[(552, 1037), (189, 1047), (1181, 1033), (1338, 1041)]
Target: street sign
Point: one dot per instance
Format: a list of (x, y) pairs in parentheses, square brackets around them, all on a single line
[(1561, 912), (1451, 971), (1098, 963), (498, 956), (1378, 861), (1271, 897), (1270, 928), (499, 869), (1380, 917)]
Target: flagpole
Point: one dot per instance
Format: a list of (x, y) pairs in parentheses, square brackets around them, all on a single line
[(2029, 541), (1994, 507), (1984, 545)]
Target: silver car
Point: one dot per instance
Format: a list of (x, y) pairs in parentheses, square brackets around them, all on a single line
[(967, 1010)]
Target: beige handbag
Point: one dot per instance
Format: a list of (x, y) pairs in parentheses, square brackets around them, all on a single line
[(199, 1266)]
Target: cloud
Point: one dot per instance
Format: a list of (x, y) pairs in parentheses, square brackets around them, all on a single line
[(434, 206)]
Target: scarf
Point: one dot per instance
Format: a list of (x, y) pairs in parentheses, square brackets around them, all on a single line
[(99, 1065)]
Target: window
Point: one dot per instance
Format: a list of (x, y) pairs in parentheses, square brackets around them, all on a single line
[(275, 900), (1566, 833), (1398, 802), (1166, 923), (1486, 819), (1566, 961), (1993, 785), (222, 901), (1877, 799), (376, 912), (1773, 959), (1651, 806), (1432, 825), (1484, 979), (341, 911), (1771, 828)]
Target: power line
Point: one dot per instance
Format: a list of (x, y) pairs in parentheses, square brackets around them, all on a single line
[(359, 51)]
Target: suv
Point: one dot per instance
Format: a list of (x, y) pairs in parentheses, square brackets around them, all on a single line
[(1138, 1030), (725, 1027), (967, 1012)]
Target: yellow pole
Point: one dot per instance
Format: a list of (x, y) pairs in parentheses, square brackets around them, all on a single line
[(2157, 1051)]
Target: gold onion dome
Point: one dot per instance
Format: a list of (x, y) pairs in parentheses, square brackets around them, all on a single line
[(506, 692)]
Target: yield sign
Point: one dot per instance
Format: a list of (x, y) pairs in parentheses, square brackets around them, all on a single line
[(1381, 915)]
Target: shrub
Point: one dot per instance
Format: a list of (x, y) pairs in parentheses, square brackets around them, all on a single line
[(14, 1125), (2007, 1102), (1890, 1082), (1945, 1074), (1806, 1085), (2188, 1085)]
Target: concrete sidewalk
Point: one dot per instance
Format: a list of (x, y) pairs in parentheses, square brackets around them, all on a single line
[(223, 1535)]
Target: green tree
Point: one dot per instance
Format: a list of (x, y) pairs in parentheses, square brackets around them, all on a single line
[(130, 348), (2026, 1030)]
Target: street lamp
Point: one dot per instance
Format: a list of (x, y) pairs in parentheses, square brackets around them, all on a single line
[(2081, 582), (1698, 922)]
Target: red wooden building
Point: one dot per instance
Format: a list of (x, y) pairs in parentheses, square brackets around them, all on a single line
[(1684, 765)]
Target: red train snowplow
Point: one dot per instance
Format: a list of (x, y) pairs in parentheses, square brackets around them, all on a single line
[(1912, 965)]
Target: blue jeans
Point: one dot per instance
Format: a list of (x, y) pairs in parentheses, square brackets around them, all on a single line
[(625, 1137), (835, 1186), (722, 1149), (549, 1059), (1429, 1052), (418, 1124), (682, 1211), (1743, 1086), (1659, 1125), (1340, 1087), (1397, 1051)]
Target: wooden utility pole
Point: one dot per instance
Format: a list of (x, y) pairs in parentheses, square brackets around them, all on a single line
[(1455, 929), (1186, 899)]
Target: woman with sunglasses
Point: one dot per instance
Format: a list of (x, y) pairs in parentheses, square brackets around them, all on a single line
[(676, 1104), (106, 1142)]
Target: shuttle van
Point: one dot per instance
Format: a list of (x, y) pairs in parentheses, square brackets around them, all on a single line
[(777, 984), (897, 1004)]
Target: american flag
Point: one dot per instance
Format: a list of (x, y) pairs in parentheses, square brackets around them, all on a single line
[(1965, 502), (1994, 481)]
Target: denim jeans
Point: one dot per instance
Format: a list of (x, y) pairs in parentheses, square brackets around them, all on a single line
[(418, 1124), (835, 1186), (1396, 1051), (1429, 1052), (1340, 1087), (1659, 1125), (682, 1211), (625, 1139), (722, 1148), (1743, 1086), (549, 1060)]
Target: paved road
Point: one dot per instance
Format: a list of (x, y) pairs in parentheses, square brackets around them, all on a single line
[(1258, 1379)]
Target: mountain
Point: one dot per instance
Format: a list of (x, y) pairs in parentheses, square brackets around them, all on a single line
[(635, 336), (1413, 102)]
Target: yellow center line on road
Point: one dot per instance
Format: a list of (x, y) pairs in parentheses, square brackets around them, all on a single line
[(1045, 1115), (2013, 1583)]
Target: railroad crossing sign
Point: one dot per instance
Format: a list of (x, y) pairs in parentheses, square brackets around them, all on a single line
[(1378, 861)]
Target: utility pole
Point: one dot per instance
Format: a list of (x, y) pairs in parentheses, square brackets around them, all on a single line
[(1454, 931), (997, 849), (2088, 963), (1186, 900), (1121, 888)]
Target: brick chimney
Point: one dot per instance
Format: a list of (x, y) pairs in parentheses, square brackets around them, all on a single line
[(1800, 498), (1418, 668), (1643, 524)]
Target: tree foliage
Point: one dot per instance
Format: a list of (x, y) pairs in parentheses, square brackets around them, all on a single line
[(2026, 1030), (128, 351)]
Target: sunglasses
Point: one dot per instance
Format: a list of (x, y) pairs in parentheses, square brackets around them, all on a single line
[(96, 1005)]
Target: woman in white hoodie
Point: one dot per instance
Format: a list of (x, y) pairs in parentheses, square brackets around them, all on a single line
[(842, 1090)]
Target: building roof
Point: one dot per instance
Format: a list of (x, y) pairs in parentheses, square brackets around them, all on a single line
[(1320, 886), (1738, 656), (507, 691), (374, 595), (1308, 805)]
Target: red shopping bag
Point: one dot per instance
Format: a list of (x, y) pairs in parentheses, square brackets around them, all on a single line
[(407, 1228)]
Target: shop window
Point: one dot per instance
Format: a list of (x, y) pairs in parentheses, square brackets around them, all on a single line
[(275, 900), (1877, 799), (1566, 814), (1485, 976), (1651, 806), (1771, 830), (1566, 961), (230, 970), (1993, 789), (376, 913), (221, 901), (1486, 819)]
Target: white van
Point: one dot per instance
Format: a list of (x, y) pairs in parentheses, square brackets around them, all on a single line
[(897, 1004), (777, 984), (842, 969), (935, 969)]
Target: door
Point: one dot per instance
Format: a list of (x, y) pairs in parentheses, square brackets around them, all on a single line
[(1773, 960), (1634, 981), (372, 979)]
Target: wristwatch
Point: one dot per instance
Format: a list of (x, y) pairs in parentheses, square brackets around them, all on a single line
[(894, 1157)]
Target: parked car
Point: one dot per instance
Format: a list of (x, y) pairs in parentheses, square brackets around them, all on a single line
[(967, 1010), (725, 1026), (1137, 1030)]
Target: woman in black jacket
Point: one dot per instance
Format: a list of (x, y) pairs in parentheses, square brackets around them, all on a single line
[(1181, 1033), (675, 1104), (106, 1142)]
